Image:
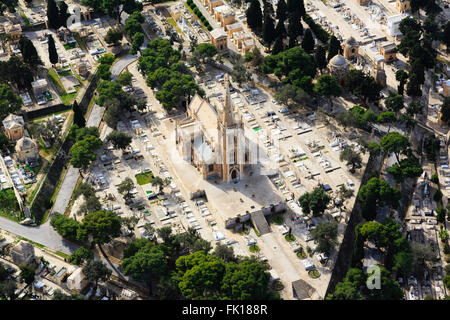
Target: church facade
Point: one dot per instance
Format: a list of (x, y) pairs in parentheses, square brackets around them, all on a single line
[(212, 139)]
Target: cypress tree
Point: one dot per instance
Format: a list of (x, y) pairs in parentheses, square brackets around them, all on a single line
[(295, 28), (254, 15), (29, 53), (280, 30), (282, 11), (78, 117), (296, 5), (334, 47), (52, 53), (308, 41), (320, 58), (52, 14), (277, 46), (268, 30), (62, 14)]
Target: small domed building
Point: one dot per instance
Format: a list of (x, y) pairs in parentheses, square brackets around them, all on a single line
[(26, 150), (339, 68), (350, 48)]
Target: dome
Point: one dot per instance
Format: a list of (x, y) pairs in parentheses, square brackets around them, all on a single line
[(338, 61), (351, 42), (25, 143)]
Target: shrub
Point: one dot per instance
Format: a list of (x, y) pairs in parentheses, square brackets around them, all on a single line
[(437, 196), (314, 273), (434, 178), (289, 237), (80, 255)]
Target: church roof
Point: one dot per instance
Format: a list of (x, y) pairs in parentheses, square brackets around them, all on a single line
[(218, 33), (204, 112), (338, 61), (25, 143), (12, 121)]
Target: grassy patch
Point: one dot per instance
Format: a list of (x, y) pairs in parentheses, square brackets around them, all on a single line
[(80, 42), (144, 178), (68, 98), (32, 242), (289, 237), (314, 273), (25, 18), (33, 193), (304, 158), (278, 219), (9, 206), (56, 81), (62, 254), (65, 73), (254, 248), (256, 231), (69, 46)]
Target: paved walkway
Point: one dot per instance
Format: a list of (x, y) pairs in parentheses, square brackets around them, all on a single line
[(71, 177)]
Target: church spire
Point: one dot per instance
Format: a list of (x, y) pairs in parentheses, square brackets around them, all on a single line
[(227, 110)]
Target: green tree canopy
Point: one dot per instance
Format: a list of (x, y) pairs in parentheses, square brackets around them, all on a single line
[(102, 226), (83, 152), (27, 273), (119, 140), (29, 52), (315, 201), (325, 234), (80, 256), (96, 271), (308, 41), (328, 87), (394, 142), (9, 102), (377, 192), (351, 155), (146, 264), (246, 280), (114, 36), (200, 275)]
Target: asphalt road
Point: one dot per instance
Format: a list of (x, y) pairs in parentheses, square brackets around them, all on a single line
[(117, 67), (44, 234)]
